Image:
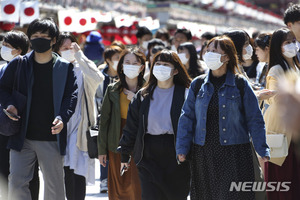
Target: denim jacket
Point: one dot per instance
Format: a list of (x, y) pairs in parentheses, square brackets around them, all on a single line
[(237, 125)]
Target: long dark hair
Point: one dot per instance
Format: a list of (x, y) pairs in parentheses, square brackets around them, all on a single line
[(195, 68), (276, 56), (140, 57), (239, 38), (228, 47), (182, 78)]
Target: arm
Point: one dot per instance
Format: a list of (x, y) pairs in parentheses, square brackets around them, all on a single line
[(131, 129), (104, 123), (255, 121), (70, 97), (6, 84), (186, 124)]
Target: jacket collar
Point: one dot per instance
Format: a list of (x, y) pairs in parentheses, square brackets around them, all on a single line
[(229, 78)]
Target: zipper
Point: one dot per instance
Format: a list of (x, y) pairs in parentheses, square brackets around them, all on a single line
[(143, 143)]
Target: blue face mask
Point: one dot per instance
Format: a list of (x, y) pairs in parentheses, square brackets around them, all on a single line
[(40, 45)]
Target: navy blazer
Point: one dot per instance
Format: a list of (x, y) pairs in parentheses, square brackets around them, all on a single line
[(64, 95)]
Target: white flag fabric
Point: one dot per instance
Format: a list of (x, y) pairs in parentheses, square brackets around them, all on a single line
[(103, 16), (10, 10), (73, 21), (29, 11), (124, 20)]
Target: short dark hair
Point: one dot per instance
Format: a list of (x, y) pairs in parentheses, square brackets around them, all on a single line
[(292, 13), (239, 38), (152, 43), (208, 35), (185, 32), (18, 40), (110, 51), (163, 32), (43, 25), (143, 31), (61, 38)]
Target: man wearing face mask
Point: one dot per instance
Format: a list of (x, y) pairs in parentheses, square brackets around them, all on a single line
[(49, 84), (143, 35)]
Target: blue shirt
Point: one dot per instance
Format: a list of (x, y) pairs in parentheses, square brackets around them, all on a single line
[(238, 121)]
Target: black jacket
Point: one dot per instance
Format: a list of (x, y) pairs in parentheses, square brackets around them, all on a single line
[(137, 122), (64, 95)]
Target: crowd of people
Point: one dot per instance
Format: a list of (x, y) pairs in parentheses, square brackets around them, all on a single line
[(171, 120)]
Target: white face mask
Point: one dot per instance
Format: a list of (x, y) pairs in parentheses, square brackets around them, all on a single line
[(162, 73), (115, 65), (212, 60), (183, 58), (249, 53), (131, 71), (68, 55), (173, 48), (290, 50), (6, 53), (145, 45)]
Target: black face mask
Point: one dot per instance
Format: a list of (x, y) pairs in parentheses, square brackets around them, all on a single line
[(40, 45)]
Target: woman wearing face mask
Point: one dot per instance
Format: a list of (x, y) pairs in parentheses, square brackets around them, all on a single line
[(14, 43), (188, 56), (109, 70), (77, 164), (151, 130), (244, 50), (283, 59), (218, 117), (118, 95)]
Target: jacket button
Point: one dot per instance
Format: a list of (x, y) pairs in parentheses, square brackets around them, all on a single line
[(203, 129), (232, 96), (224, 129), (223, 117), (222, 95), (225, 141), (224, 106)]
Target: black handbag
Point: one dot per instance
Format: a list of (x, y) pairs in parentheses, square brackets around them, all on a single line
[(10, 127), (91, 140)]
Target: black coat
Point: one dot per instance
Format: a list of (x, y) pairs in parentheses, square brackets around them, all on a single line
[(137, 122)]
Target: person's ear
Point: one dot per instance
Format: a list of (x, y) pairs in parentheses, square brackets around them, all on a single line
[(289, 25), (53, 41), (225, 59)]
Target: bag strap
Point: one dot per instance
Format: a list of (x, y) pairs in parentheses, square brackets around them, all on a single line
[(87, 109), (199, 81)]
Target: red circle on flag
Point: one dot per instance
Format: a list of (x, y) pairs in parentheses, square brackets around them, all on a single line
[(29, 11), (93, 20), (68, 20), (82, 22), (9, 9)]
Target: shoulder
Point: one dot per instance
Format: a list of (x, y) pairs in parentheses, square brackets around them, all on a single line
[(276, 71)]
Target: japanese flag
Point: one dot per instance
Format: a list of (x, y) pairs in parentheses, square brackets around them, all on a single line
[(10, 10), (123, 20), (79, 22), (29, 11), (66, 20)]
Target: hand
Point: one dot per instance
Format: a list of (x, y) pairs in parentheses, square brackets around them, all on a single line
[(181, 157), (58, 125), (12, 109), (129, 94), (126, 166), (102, 159), (265, 94), (265, 159), (75, 47)]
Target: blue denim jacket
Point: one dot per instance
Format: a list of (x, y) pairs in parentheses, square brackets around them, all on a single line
[(236, 125)]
